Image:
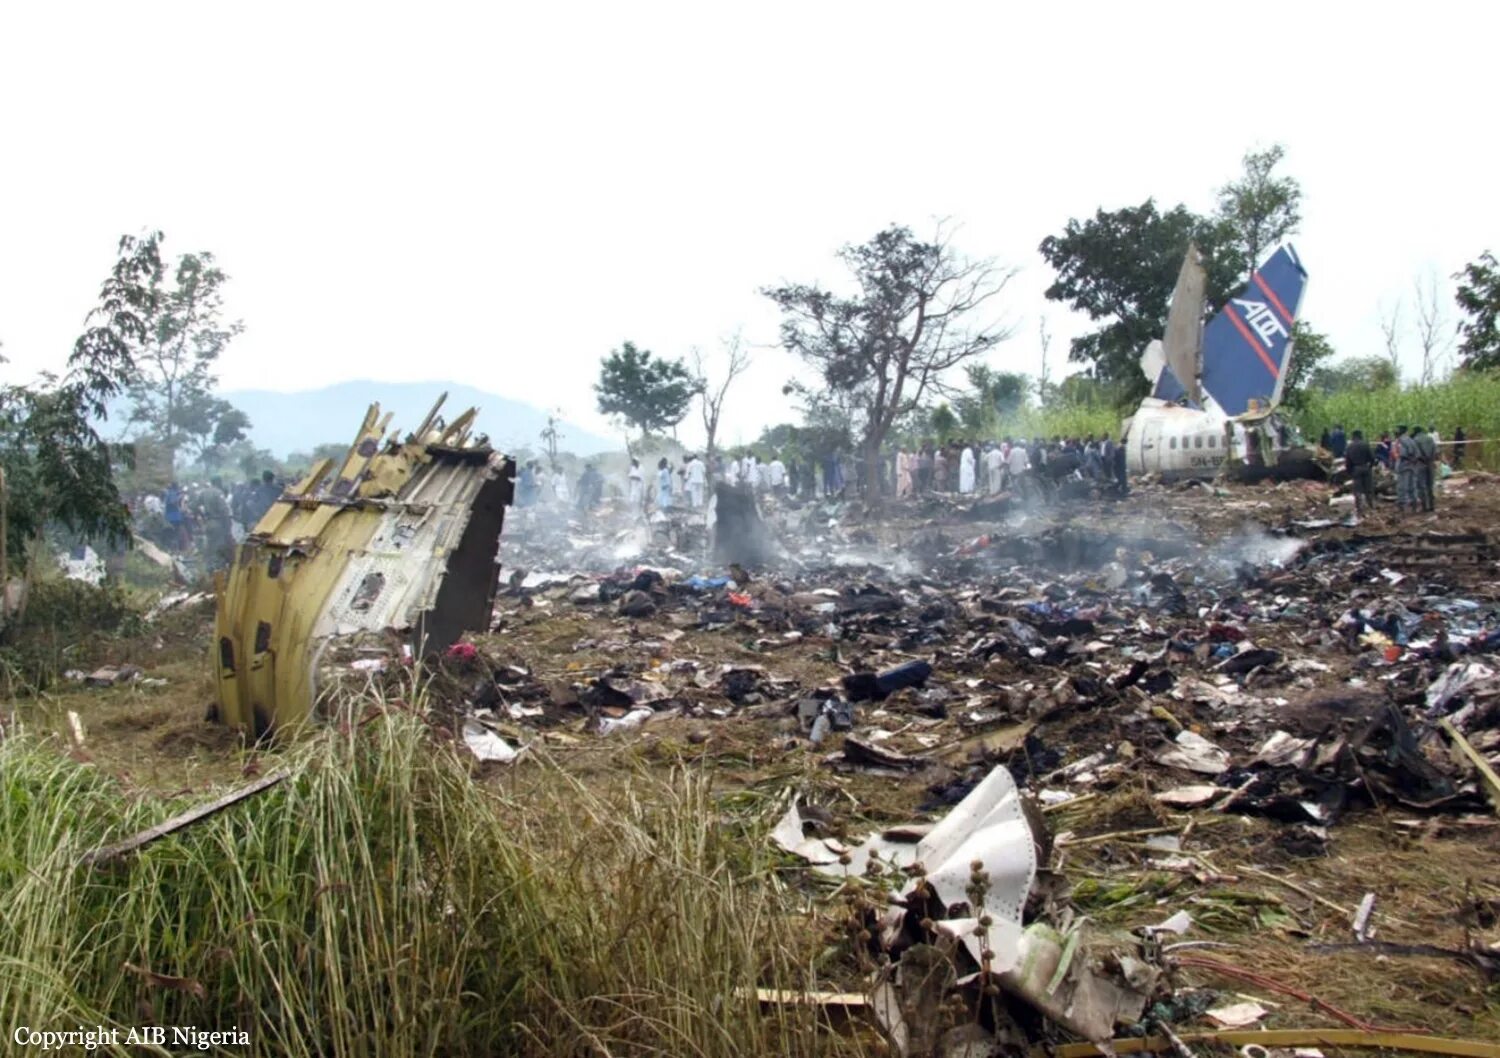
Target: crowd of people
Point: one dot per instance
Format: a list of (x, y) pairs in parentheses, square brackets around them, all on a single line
[(205, 518), (1010, 464), (1414, 456), (961, 467)]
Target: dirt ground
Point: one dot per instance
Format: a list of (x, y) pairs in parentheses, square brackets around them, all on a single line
[(1148, 583)]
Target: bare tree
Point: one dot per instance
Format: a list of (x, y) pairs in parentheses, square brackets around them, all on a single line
[(1044, 380), (551, 435), (737, 359), (1434, 328), (889, 344), (1390, 329)]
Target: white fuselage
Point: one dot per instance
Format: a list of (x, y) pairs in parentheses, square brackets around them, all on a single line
[(1175, 442)]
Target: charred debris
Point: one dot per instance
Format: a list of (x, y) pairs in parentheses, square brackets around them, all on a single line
[(1215, 654)]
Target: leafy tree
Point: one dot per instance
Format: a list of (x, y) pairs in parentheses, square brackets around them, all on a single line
[(57, 469), (882, 348), (1357, 374), (180, 336), (1309, 350), (1478, 295), (1120, 266), (648, 393), (1260, 208), (991, 396), (254, 461), (943, 423)]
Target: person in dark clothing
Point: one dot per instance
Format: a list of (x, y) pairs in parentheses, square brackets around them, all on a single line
[(261, 498), (1326, 440), (590, 488), (1427, 460), (1459, 439), (1337, 442), (1360, 459), (1121, 481)]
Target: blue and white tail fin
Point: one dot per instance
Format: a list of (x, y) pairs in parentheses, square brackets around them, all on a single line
[(1247, 346)]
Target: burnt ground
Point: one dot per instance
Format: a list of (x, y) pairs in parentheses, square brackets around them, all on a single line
[(1074, 645)]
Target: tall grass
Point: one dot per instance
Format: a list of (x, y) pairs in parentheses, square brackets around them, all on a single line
[(1061, 419), (381, 901), (1470, 401)]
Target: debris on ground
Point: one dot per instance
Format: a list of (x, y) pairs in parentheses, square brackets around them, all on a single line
[(1045, 753)]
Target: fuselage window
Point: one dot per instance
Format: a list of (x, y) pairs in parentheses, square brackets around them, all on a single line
[(1198, 441), (1173, 443)]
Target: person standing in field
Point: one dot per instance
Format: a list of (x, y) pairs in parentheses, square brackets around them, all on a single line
[(1360, 459), (664, 484), (1427, 457), (1404, 452)]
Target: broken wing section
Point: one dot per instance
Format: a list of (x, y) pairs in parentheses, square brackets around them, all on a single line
[(398, 547)]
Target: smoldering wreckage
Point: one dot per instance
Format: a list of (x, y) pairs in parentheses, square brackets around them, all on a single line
[(997, 667)]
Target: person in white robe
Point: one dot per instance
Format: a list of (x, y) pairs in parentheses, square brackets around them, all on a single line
[(697, 479), (994, 463), (966, 471), (635, 490)]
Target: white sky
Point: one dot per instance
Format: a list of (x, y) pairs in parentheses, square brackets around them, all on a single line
[(501, 195)]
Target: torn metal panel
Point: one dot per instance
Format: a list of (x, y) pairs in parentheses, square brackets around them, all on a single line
[(987, 826), (398, 544)]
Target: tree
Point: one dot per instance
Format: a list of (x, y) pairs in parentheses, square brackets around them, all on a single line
[(1261, 209), (551, 435), (992, 395), (1120, 267), (1478, 295), (943, 423), (648, 393), (883, 347), (1363, 374), (711, 397), (180, 336), (1433, 331), (1390, 331), (1044, 379), (57, 469), (1309, 350)]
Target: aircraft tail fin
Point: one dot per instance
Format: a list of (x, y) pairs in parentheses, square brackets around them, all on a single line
[(1247, 346)]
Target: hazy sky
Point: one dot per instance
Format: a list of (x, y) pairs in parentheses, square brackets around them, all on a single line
[(501, 195)]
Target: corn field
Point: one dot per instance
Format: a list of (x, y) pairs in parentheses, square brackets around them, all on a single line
[(1470, 401)]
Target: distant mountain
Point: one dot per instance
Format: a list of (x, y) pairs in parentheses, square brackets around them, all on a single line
[(296, 422)]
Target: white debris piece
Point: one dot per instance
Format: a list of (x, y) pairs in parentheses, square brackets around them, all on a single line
[(788, 835), (635, 718), (1193, 752), (987, 826), (1459, 678), (1282, 749), (83, 564), (486, 745), (1179, 923), (1190, 796), (1236, 1015)]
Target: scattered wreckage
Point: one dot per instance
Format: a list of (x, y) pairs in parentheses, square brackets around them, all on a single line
[(1008, 664), (391, 551), (1292, 669)]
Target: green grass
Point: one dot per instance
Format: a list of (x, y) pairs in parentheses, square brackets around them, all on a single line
[(384, 902), (1062, 420), (1470, 401)]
